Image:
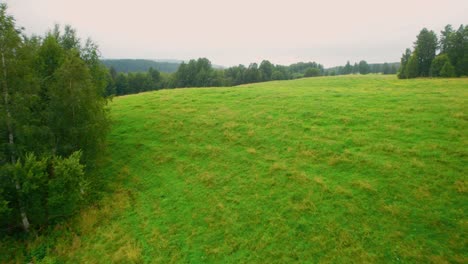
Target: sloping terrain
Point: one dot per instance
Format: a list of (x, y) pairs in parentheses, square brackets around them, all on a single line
[(333, 170)]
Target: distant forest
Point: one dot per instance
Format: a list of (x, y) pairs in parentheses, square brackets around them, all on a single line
[(139, 65), (134, 76), (363, 68)]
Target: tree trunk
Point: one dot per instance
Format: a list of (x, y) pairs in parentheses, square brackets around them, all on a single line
[(11, 143)]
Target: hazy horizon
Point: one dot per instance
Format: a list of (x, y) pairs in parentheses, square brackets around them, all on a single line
[(240, 32)]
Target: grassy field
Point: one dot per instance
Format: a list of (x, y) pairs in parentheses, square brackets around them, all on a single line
[(361, 169)]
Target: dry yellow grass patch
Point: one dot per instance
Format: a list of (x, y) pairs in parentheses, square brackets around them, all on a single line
[(389, 166), (76, 242), (158, 240), (417, 163), (188, 110), (352, 207), (460, 259), (343, 191), (213, 150), (304, 205), (364, 185), (345, 120), (320, 182), (121, 199), (161, 159), (391, 209), (308, 153), (251, 150), (130, 252), (270, 156), (396, 235), (230, 125), (231, 136), (207, 178), (300, 177), (124, 172), (336, 159), (88, 218), (422, 192), (278, 166), (459, 115), (461, 186), (438, 259)]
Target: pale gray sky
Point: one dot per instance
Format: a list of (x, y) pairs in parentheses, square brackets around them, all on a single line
[(243, 31)]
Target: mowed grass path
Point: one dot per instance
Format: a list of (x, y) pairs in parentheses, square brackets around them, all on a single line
[(365, 169)]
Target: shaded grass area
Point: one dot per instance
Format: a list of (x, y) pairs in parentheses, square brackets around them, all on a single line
[(366, 169)]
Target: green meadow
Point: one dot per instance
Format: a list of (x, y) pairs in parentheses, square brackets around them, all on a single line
[(352, 169)]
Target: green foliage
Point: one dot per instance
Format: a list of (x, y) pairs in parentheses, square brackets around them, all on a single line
[(252, 74), (348, 69), (121, 84), (4, 208), (412, 67), (90, 55), (68, 39), (111, 89), (76, 113), (9, 34), (66, 185), (447, 70), (453, 49), (266, 70), (8, 203), (446, 39), (279, 74), (437, 64), (197, 73), (425, 48), (155, 77), (312, 72), (355, 68), (52, 105), (51, 187), (364, 67), (137, 82), (49, 57), (455, 45), (301, 67), (32, 175)]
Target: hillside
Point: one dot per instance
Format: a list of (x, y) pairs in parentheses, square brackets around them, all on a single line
[(351, 169), (140, 65)]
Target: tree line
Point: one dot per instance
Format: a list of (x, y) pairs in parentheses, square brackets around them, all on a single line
[(201, 73), (364, 68), (446, 56), (140, 65), (53, 123)]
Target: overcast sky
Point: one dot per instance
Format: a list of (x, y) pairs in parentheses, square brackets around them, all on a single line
[(243, 31)]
